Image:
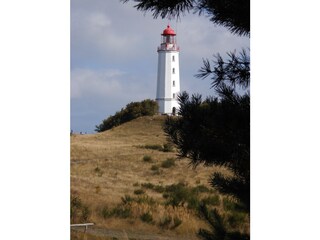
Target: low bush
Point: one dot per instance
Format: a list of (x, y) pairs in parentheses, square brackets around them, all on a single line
[(212, 200), (121, 212), (132, 111), (147, 185), (159, 188), (201, 189), (170, 162), (79, 212), (153, 147), (147, 158), (168, 147), (105, 213), (127, 199), (145, 199), (85, 214), (236, 219), (139, 191), (231, 205), (142, 199), (146, 217), (154, 167)]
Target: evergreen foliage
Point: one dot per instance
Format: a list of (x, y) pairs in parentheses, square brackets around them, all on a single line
[(232, 14), (132, 111)]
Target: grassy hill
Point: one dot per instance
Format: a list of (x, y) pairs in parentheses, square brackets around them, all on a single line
[(126, 181)]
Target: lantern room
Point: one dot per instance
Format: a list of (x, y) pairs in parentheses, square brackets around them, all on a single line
[(168, 40)]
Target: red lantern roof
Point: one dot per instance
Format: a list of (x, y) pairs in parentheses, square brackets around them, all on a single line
[(168, 31)]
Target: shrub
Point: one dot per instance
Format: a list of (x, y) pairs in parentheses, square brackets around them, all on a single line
[(136, 184), (153, 147), (201, 189), (178, 194), (131, 111), (168, 163), (229, 205), (139, 191), (168, 147), (212, 200), (154, 167), (159, 189), (147, 158), (145, 199), (147, 185), (146, 217), (75, 208), (236, 219), (85, 214), (105, 213), (121, 212), (193, 202), (127, 199)]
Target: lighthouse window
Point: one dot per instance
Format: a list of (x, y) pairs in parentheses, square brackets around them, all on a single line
[(172, 58), (173, 70), (174, 83), (174, 95)]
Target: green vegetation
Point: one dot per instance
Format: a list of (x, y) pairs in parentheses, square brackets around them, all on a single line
[(127, 200), (147, 158), (139, 191), (120, 211), (170, 162), (79, 212), (166, 147), (212, 200), (153, 147), (146, 217), (131, 111), (167, 222), (154, 168)]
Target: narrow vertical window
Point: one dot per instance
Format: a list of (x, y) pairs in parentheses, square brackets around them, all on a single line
[(173, 59), (173, 71), (174, 95), (174, 83)]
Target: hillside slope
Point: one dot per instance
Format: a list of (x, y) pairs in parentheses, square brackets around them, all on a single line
[(109, 165)]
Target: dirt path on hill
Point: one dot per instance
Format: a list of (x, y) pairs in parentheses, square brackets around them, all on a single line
[(129, 235)]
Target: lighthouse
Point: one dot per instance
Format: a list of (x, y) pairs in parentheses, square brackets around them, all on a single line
[(168, 80)]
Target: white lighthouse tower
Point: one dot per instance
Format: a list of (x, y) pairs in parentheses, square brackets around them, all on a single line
[(168, 82)]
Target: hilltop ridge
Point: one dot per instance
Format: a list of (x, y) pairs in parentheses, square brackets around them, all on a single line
[(127, 162)]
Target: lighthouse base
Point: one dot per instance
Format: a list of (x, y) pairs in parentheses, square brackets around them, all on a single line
[(168, 106)]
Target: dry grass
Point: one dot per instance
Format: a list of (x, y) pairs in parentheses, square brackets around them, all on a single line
[(106, 166)]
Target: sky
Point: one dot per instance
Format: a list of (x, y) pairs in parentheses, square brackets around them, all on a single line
[(114, 56)]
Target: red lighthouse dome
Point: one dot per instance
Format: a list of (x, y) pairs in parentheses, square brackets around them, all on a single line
[(169, 31)]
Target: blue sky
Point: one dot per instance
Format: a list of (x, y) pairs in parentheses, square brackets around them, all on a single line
[(114, 57)]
